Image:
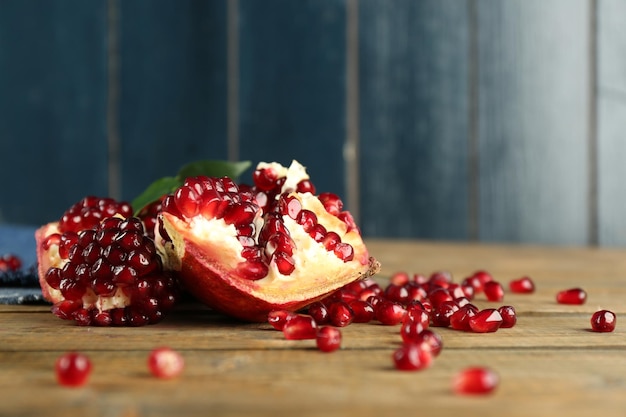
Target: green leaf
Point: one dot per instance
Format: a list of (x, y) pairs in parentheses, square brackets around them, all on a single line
[(214, 169), (154, 191)]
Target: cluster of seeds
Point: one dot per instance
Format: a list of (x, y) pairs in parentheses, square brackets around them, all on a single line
[(10, 262)]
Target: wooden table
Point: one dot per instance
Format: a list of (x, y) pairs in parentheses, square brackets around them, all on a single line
[(549, 362)]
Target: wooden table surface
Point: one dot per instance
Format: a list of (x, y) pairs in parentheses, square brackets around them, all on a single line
[(549, 363)]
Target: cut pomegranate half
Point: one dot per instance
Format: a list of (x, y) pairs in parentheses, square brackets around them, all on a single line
[(248, 250)]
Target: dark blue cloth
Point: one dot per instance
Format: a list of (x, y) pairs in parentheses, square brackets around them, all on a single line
[(20, 287)]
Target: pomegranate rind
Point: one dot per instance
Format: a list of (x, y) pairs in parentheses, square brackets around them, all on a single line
[(47, 259), (207, 268)]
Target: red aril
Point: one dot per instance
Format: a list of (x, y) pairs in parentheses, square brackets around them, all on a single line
[(340, 314), (603, 321), (493, 291), (10, 262), (440, 316), (571, 296), (389, 313), (509, 316), (476, 380), (319, 312), (300, 327), (459, 320), (412, 357), (328, 339), (165, 363), (486, 321), (431, 341), (278, 318), (72, 369), (523, 285), (363, 311)]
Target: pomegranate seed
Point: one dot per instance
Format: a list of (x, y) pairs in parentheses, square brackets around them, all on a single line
[(363, 311), (305, 186), (285, 263), (439, 296), (459, 320), (493, 291), (10, 262), (73, 369), (330, 240), (332, 203), (412, 357), (399, 278), (264, 179), (523, 285), (571, 296), (165, 363), (431, 341), (300, 327), (509, 317), (410, 330), (475, 380), (318, 233), (290, 206), (397, 293), (88, 212), (441, 314), (344, 251), (389, 313), (340, 314), (416, 312), (328, 339), (440, 279), (486, 321), (307, 219), (278, 318), (319, 312), (603, 321)]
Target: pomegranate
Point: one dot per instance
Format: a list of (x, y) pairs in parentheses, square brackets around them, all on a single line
[(328, 339), (475, 380), (603, 321), (10, 262), (72, 369), (165, 363), (247, 250), (108, 275)]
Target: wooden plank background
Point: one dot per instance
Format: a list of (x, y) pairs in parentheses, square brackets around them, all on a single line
[(462, 120)]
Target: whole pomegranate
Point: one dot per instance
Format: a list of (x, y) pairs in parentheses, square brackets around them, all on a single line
[(247, 250)]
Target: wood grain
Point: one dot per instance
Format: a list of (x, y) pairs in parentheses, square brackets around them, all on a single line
[(548, 363)]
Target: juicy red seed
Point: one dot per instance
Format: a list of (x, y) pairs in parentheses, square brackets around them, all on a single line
[(344, 251), (483, 276), (51, 240), (440, 278), (475, 381), (72, 369), (459, 320), (440, 316), (300, 327), (430, 340), (88, 212), (165, 363), (411, 357), (279, 242), (363, 311), (571, 296), (330, 240), (253, 269), (603, 321), (410, 330), (347, 218), (331, 202), (319, 312), (10, 262), (252, 252), (486, 321), (285, 263), (389, 313), (415, 311), (307, 219), (523, 285), (439, 296), (305, 186), (399, 278), (264, 179), (493, 291), (53, 277), (509, 317), (241, 214), (340, 314), (318, 233), (328, 339), (290, 206), (397, 293)]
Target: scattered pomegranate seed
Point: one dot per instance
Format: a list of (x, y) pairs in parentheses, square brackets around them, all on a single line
[(603, 321), (165, 363), (523, 285), (509, 316), (278, 318), (72, 369), (412, 357), (459, 320), (475, 381), (486, 321), (328, 339), (10, 262), (571, 296), (300, 327), (493, 291), (319, 312), (389, 313), (340, 314), (430, 340), (363, 311)]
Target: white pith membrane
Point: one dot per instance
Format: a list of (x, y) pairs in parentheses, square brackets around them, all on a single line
[(217, 249)]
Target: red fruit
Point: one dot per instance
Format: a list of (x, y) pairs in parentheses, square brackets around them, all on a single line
[(72, 369), (389, 313), (10, 262), (603, 321), (411, 329), (300, 327), (486, 321), (441, 314), (280, 265), (571, 296), (328, 339), (459, 320), (493, 291), (278, 318), (165, 363), (475, 381), (412, 357), (340, 314), (431, 341), (523, 285), (319, 312), (363, 311), (109, 275)]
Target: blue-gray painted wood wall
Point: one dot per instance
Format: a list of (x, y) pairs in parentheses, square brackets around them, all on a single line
[(433, 119)]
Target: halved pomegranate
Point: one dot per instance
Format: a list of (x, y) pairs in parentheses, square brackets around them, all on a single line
[(247, 250)]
